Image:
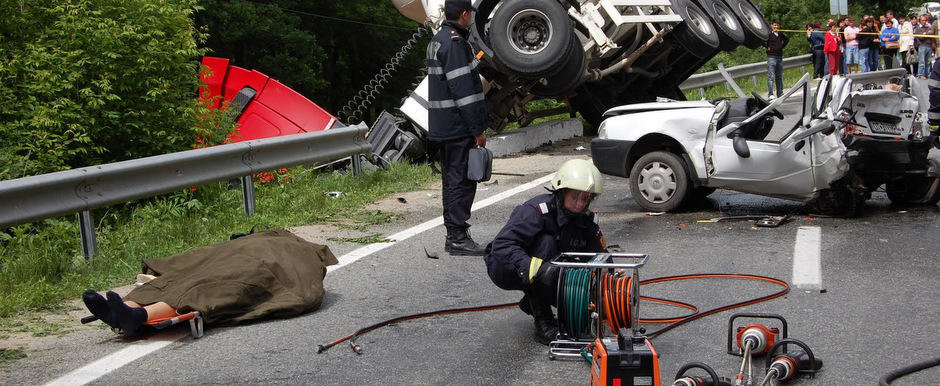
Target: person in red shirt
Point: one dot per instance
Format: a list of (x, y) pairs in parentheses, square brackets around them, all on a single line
[(832, 48)]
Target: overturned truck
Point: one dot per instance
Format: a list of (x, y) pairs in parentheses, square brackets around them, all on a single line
[(591, 54)]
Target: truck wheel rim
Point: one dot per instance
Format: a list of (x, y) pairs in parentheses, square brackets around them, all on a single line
[(726, 17), (749, 15), (657, 182), (700, 21), (529, 31)]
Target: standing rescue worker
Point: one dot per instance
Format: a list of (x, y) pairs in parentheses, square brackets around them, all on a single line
[(456, 119), (539, 230), (933, 112)]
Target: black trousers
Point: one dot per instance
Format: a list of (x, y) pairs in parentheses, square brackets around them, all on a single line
[(458, 192), (819, 63), (505, 276)]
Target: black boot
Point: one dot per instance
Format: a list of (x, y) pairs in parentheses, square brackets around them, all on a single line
[(458, 242), (546, 327)]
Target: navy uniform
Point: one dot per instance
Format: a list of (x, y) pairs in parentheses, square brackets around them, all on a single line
[(456, 115), (539, 228), (538, 231), (933, 84)]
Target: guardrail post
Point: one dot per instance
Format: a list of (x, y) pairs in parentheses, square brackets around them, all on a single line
[(86, 226), (356, 165), (248, 194), (701, 91), (754, 80)]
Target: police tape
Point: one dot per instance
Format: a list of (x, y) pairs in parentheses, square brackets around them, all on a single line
[(865, 33)]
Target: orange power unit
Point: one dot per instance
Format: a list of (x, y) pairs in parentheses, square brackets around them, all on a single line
[(624, 361)]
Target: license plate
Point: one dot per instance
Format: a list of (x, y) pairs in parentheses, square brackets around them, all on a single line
[(884, 128)]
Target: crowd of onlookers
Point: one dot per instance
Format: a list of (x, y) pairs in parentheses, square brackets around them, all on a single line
[(875, 43)]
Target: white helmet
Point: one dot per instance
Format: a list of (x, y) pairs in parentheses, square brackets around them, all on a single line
[(578, 174)]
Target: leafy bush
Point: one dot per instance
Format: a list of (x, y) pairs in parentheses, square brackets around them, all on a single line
[(95, 81)]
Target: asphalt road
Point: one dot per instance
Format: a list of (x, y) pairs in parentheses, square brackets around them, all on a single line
[(879, 309)]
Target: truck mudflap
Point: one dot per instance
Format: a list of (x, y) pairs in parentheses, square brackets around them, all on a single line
[(263, 107)]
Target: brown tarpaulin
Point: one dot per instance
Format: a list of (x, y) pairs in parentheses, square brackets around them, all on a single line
[(267, 274)]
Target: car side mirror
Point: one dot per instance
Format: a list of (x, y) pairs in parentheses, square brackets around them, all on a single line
[(740, 146)]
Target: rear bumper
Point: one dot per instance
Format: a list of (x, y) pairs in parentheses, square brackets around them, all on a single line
[(886, 158), (610, 156)]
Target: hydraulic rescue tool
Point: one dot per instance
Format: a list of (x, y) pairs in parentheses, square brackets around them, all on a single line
[(711, 379), (753, 340), (598, 292), (786, 365)]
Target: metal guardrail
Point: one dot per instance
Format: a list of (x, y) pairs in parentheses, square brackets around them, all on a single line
[(711, 78), (48, 195)]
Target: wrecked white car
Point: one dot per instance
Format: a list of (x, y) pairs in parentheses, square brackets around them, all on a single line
[(674, 152), (889, 142)]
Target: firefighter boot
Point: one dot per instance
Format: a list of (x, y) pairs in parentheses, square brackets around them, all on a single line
[(458, 242), (546, 327)]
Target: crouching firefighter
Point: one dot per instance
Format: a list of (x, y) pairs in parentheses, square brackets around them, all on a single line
[(540, 229)]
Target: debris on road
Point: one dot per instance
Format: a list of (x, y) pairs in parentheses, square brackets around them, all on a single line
[(335, 194), (402, 200)]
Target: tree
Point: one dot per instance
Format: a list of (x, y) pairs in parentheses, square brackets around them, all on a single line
[(93, 81)]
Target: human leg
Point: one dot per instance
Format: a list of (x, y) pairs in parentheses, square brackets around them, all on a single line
[(924, 53), (457, 196), (833, 63), (863, 59), (778, 75), (771, 68)]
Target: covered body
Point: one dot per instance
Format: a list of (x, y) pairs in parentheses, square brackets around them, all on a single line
[(268, 274)]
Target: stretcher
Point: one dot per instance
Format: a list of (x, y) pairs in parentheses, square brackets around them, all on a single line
[(194, 318)]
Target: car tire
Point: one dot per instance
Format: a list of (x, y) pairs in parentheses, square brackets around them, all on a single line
[(840, 201), (659, 181), (729, 28), (568, 78), (531, 37), (914, 191), (695, 33), (756, 30)]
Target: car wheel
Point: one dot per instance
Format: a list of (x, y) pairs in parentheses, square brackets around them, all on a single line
[(659, 181), (730, 31), (568, 77), (914, 191), (531, 37), (756, 30), (695, 33)]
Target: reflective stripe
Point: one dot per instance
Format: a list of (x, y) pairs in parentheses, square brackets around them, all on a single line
[(451, 75), (470, 99), (435, 71), (442, 104), (421, 101), (933, 83), (465, 70), (433, 47), (933, 115)]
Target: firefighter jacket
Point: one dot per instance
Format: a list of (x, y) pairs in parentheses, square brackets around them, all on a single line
[(539, 228), (455, 93), (933, 84)]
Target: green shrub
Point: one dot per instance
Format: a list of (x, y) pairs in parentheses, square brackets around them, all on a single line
[(95, 81)]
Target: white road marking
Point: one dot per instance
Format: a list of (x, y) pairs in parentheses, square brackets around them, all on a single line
[(109, 363), (367, 250), (807, 258)]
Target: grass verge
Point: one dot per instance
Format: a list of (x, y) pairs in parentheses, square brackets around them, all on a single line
[(41, 264)]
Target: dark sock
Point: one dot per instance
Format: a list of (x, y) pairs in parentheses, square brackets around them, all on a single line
[(99, 307), (128, 319)]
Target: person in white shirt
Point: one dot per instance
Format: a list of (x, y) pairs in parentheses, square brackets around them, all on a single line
[(851, 45), (906, 45)]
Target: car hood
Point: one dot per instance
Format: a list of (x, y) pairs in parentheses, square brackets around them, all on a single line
[(653, 106)]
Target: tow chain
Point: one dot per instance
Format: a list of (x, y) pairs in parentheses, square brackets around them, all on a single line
[(355, 108)]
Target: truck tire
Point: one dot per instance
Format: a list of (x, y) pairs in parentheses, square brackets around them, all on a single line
[(531, 37), (756, 30), (730, 31), (695, 33), (568, 77), (659, 181), (914, 191)]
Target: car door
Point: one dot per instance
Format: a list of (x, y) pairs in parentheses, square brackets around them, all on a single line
[(781, 167)]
